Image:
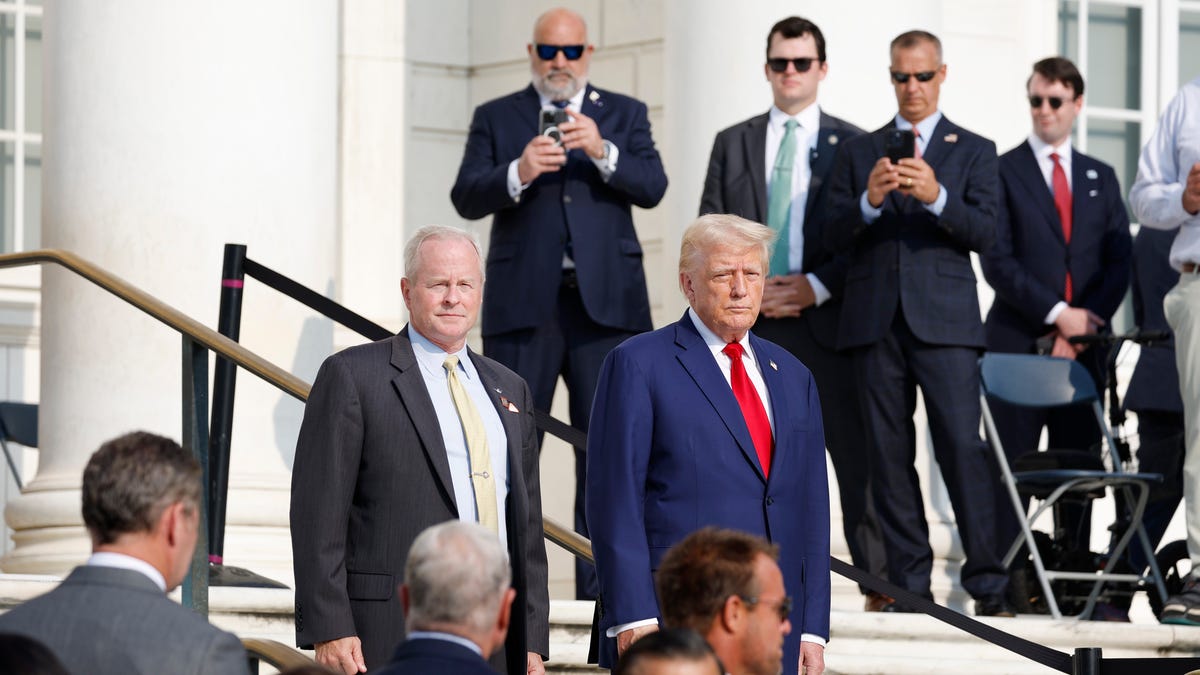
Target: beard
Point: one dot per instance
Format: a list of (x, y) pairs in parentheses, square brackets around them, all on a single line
[(560, 89)]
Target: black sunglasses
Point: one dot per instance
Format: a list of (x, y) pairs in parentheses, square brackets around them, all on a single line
[(783, 608), (548, 52), (779, 65), (924, 76), (1055, 102)]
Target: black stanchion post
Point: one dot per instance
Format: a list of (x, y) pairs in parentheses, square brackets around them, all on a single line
[(1086, 661), (195, 441), (229, 324)]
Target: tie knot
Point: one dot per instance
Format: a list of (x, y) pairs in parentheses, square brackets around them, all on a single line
[(791, 124), (450, 363), (1054, 157), (561, 104), (734, 350)]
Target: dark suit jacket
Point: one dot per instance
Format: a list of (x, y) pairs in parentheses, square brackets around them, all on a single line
[(737, 183), (371, 474), (1155, 381), (669, 453), (103, 620), (1028, 262), (528, 236), (910, 260), (430, 656)]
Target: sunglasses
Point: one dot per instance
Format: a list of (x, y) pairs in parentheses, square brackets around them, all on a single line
[(924, 76), (779, 65), (548, 52), (783, 608), (1055, 102)]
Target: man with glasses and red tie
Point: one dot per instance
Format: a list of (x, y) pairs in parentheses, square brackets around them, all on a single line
[(565, 260), (774, 169), (909, 203), (703, 423), (1060, 266)]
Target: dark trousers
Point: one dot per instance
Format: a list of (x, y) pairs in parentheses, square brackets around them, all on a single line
[(1070, 428), (573, 345), (845, 438), (888, 374)]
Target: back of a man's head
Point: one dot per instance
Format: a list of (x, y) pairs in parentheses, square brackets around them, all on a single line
[(457, 580), (131, 479), (671, 651), (699, 573)]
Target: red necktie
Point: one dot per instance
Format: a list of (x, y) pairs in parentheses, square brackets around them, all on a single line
[(751, 405), (1062, 204)]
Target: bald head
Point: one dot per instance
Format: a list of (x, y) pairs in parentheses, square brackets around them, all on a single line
[(558, 77), (559, 18)]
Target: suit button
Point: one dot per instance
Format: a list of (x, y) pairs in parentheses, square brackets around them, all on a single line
[(566, 199), (770, 501)]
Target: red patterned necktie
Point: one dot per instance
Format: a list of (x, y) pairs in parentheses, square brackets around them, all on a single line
[(751, 405), (1062, 204)]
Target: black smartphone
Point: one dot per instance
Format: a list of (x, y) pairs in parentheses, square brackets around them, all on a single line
[(548, 121), (898, 144)]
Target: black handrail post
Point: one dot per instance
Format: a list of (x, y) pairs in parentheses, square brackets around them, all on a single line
[(229, 324), (195, 440), (1086, 661)]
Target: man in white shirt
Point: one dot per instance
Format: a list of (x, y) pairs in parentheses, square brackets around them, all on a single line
[(1060, 266), (141, 499), (1166, 195)]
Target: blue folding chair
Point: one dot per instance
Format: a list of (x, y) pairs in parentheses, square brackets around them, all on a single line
[(1031, 381)]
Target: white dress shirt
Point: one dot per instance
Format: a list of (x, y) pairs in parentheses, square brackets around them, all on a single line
[(128, 562), (430, 358), (1041, 152), (606, 164), (1157, 195), (925, 131), (806, 134)]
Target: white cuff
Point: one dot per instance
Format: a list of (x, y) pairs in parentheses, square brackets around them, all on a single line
[(514, 183), (822, 294), (612, 632), (1055, 311), (869, 213), (815, 639), (938, 204), (608, 163)]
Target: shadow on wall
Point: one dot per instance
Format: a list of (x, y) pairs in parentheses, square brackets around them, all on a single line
[(314, 345)]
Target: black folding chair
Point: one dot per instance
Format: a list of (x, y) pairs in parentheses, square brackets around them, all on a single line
[(1031, 381), (18, 423)]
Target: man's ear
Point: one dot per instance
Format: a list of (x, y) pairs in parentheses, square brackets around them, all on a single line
[(504, 618), (732, 614), (170, 521), (405, 598)]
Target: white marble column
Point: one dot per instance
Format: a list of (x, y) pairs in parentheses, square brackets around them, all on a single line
[(170, 130)]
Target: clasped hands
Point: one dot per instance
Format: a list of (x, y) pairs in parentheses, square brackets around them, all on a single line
[(1071, 322), (911, 176), (543, 155)]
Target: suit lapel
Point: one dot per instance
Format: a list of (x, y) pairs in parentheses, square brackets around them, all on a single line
[(501, 399), (696, 358), (827, 139), (410, 386), (754, 148), (1030, 175), (1082, 184)]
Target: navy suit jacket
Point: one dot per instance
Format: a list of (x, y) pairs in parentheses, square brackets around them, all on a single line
[(1155, 381), (1028, 262), (910, 260), (669, 453), (427, 656), (528, 236), (737, 183)]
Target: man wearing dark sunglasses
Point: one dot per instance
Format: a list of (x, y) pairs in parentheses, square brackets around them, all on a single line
[(564, 258), (802, 300), (909, 221), (1060, 266)]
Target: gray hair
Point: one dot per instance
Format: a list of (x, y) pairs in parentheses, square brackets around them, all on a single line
[(130, 480), (717, 229), (412, 250), (913, 38), (457, 574)]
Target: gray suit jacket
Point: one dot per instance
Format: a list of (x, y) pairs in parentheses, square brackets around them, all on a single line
[(105, 620), (371, 474)]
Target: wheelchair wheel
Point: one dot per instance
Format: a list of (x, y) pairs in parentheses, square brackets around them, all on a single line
[(1174, 563)]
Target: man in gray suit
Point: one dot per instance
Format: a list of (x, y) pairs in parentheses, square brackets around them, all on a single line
[(402, 434), (141, 497)]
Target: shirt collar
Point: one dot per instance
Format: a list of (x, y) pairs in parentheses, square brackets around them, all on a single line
[(575, 102), (1043, 150), (447, 637), (925, 126), (128, 562), (809, 118), (713, 341), (431, 357)]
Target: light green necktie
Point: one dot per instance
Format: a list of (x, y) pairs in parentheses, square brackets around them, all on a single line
[(482, 480), (779, 206)]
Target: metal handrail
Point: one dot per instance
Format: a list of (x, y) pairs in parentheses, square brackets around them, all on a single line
[(186, 325), (274, 653)]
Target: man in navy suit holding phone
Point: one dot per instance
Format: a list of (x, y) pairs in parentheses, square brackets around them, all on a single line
[(563, 247), (909, 225), (1060, 266)]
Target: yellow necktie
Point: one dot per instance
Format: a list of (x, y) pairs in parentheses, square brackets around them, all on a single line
[(482, 480)]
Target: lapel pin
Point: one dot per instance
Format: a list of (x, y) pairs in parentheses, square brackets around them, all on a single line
[(507, 404), (833, 139), (594, 97), (1091, 173), (1093, 193), (950, 138), (773, 366)]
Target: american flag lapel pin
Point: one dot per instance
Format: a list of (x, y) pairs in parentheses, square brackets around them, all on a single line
[(1092, 175), (773, 366), (507, 404), (950, 138)]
